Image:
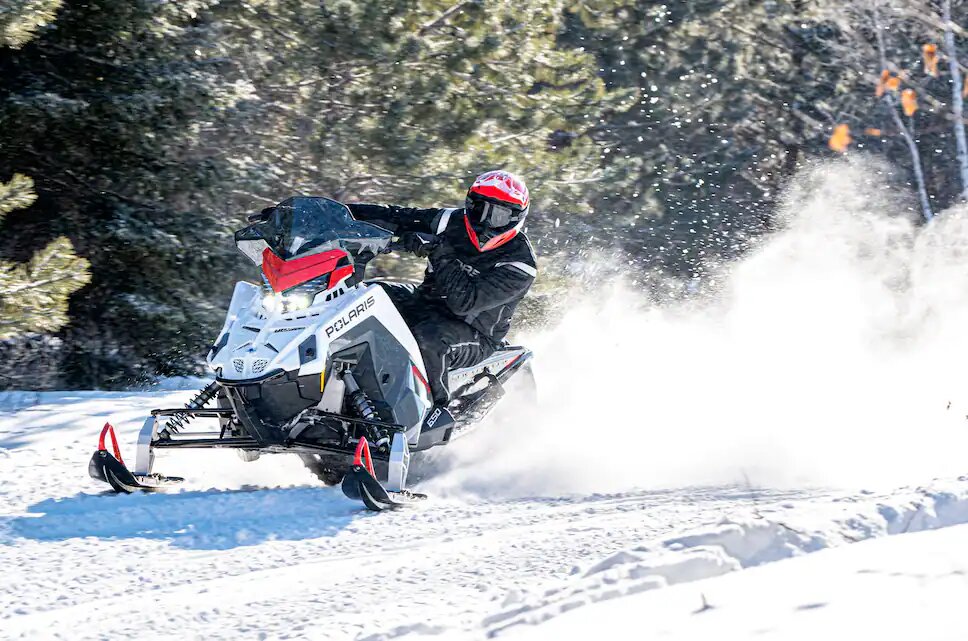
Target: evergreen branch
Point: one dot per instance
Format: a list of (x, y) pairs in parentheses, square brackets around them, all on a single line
[(11, 291)]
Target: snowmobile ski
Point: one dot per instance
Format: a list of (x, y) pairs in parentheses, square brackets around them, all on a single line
[(111, 469), (360, 484)]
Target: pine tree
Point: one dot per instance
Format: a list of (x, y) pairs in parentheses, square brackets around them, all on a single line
[(408, 100), (151, 128), (33, 295), (20, 20), (733, 96), (108, 110)]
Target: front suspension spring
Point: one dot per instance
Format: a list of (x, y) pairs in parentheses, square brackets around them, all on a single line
[(180, 420), (364, 406)]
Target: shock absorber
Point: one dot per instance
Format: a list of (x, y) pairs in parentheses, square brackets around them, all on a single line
[(358, 398), (366, 409), (178, 421)]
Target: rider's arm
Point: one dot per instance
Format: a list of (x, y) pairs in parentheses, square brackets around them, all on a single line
[(465, 294), (400, 219)]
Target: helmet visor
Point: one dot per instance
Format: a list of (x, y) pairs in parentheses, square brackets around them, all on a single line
[(483, 213)]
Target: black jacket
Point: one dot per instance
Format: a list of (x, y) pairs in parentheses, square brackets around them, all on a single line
[(480, 288)]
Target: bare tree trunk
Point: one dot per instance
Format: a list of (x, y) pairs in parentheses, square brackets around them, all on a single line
[(908, 134), (957, 99)]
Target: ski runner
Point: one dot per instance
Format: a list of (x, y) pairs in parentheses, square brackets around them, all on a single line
[(480, 266)]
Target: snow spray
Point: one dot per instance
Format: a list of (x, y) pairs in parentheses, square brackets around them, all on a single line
[(834, 354)]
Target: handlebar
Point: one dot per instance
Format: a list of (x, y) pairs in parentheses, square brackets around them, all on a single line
[(399, 246), (262, 215), (393, 246)]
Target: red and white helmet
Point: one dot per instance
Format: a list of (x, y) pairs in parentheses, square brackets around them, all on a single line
[(495, 208)]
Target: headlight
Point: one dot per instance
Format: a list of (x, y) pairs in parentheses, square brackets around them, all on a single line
[(296, 301), (291, 303)]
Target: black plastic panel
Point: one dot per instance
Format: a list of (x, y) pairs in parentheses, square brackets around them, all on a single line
[(382, 369), (264, 407), (307, 350)]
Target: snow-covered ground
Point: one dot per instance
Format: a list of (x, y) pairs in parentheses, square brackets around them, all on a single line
[(260, 550), (678, 479), (909, 587)]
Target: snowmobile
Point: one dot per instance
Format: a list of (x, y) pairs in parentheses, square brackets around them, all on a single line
[(317, 361)]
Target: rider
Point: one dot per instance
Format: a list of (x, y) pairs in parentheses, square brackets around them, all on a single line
[(480, 266)]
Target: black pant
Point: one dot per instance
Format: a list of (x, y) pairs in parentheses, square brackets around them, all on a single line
[(446, 342)]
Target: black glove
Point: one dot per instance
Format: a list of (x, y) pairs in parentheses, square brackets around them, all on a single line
[(417, 244)]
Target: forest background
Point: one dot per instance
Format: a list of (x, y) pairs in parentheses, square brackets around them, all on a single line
[(136, 135)]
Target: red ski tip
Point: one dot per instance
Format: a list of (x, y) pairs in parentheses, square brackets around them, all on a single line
[(363, 452), (109, 429)]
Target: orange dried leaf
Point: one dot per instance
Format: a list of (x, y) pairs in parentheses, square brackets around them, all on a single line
[(872, 131), (881, 83), (893, 83), (930, 53), (840, 140), (909, 102)]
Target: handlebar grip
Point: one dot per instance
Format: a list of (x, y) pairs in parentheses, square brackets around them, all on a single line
[(399, 246), (262, 215)]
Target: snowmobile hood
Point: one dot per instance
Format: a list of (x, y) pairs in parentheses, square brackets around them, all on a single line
[(286, 274)]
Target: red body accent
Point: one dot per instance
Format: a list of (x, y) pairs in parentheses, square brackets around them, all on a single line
[(416, 372), (503, 186), (363, 453), (109, 429), (513, 361), (497, 241), (339, 275), (283, 274)]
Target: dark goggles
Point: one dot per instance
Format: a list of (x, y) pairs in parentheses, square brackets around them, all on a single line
[(488, 214)]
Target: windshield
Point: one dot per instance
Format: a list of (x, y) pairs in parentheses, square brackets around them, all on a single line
[(306, 225)]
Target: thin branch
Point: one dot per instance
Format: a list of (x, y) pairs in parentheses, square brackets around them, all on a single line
[(905, 131), (439, 20)]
